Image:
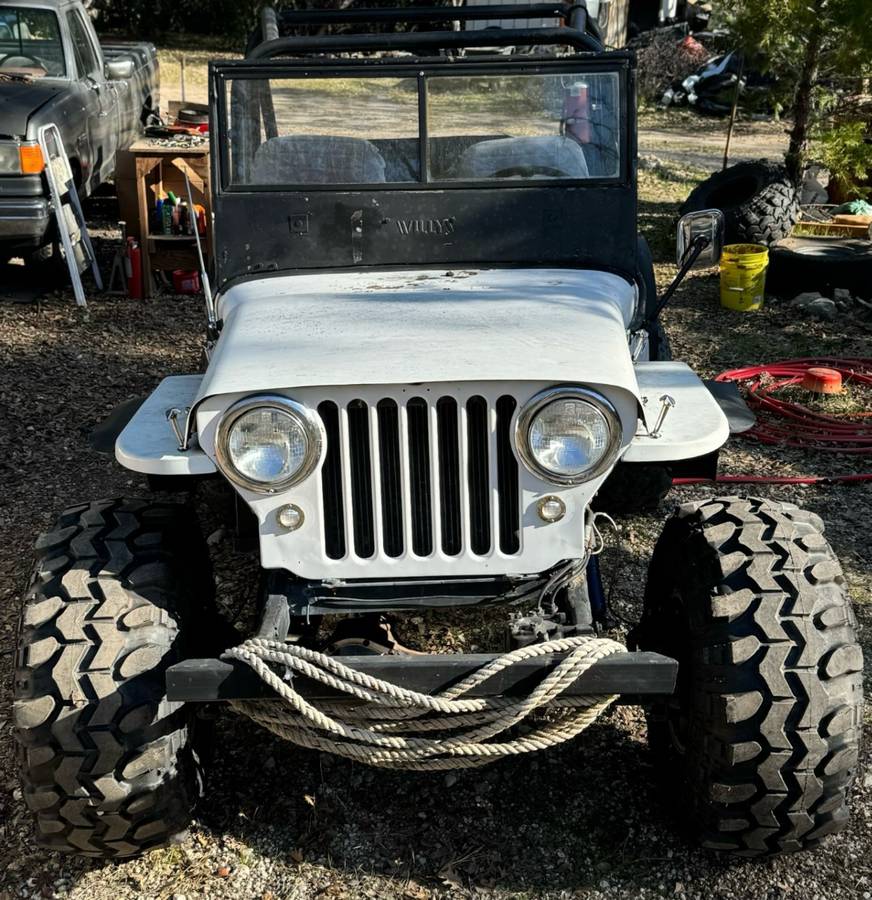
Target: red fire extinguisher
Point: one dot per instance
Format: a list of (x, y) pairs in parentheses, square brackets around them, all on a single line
[(576, 112), (134, 269)]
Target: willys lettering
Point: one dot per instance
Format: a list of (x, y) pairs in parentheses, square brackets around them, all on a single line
[(426, 226)]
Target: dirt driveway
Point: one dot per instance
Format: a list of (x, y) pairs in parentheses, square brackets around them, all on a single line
[(582, 821), (675, 136)]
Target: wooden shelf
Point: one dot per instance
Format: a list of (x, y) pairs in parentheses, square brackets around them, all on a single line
[(147, 174)]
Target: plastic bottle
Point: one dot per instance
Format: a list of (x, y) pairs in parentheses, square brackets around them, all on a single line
[(157, 228), (167, 217)]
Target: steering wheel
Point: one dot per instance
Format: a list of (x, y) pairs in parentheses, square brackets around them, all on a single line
[(39, 63), (531, 172)]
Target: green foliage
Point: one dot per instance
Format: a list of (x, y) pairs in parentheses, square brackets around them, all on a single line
[(780, 28), (819, 52), (847, 152), (229, 20)]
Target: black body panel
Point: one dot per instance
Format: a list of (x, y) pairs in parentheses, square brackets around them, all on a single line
[(591, 227)]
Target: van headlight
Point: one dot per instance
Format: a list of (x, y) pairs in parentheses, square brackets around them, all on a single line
[(269, 443), (568, 435)]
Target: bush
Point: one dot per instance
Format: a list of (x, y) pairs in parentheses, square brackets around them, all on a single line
[(152, 19), (846, 151), (666, 60), (230, 20)]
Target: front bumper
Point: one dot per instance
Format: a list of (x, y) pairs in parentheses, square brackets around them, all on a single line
[(24, 220), (639, 674)]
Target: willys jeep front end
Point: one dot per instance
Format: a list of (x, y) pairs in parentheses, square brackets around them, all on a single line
[(434, 340)]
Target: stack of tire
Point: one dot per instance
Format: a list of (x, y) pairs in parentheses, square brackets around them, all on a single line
[(761, 205)]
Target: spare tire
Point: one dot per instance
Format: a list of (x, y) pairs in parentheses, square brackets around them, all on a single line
[(758, 199), (820, 264)]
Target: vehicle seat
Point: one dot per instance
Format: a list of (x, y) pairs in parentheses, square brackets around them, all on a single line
[(317, 159), (487, 159)]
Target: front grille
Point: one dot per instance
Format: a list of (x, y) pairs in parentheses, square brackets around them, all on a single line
[(417, 476)]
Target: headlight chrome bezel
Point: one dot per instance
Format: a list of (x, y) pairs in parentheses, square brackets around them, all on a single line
[(567, 392), (309, 421)]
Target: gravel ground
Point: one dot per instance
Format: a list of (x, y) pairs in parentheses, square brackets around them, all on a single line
[(581, 821)]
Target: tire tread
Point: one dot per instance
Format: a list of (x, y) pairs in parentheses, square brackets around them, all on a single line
[(108, 767), (776, 690)]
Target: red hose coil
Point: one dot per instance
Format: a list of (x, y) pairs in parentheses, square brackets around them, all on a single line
[(790, 424)]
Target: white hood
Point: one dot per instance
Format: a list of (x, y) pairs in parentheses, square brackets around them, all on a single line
[(548, 325)]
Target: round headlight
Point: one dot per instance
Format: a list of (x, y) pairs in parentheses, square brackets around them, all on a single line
[(268, 443), (568, 435)]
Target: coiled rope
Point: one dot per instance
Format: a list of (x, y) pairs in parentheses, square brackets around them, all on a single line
[(396, 728)]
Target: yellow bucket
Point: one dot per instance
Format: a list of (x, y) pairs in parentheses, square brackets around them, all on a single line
[(743, 276)]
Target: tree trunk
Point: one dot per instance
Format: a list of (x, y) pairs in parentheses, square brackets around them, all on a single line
[(803, 99)]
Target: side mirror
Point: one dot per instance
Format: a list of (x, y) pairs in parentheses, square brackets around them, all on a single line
[(707, 225), (120, 69)]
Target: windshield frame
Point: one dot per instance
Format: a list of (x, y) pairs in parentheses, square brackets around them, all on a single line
[(222, 73)]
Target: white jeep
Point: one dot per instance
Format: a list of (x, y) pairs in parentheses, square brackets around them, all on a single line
[(434, 341)]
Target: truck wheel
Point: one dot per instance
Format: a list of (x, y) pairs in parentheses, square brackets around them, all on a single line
[(758, 199), (121, 591), (759, 744)]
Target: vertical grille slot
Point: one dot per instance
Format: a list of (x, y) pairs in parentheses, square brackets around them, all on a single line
[(391, 477), (478, 435), (507, 479), (360, 462), (331, 484), (419, 476), (449, 474)]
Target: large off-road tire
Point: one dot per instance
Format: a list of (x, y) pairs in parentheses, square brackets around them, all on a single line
[(759, 745), (121, 590), (758, 199)]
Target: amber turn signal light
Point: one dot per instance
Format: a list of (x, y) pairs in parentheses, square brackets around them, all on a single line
[(30, 157)]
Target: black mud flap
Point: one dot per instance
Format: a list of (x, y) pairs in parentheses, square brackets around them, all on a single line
[(102, 438)]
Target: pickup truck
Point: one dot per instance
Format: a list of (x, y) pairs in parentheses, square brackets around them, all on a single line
[(53, 68)]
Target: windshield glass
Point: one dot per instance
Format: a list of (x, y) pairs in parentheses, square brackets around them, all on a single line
[(472, 128), (30, 38)]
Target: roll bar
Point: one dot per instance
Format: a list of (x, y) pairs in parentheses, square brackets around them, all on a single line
[(426, 40), (581, 32)]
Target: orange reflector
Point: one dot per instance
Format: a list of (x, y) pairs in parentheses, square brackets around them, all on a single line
[(31, 159)]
